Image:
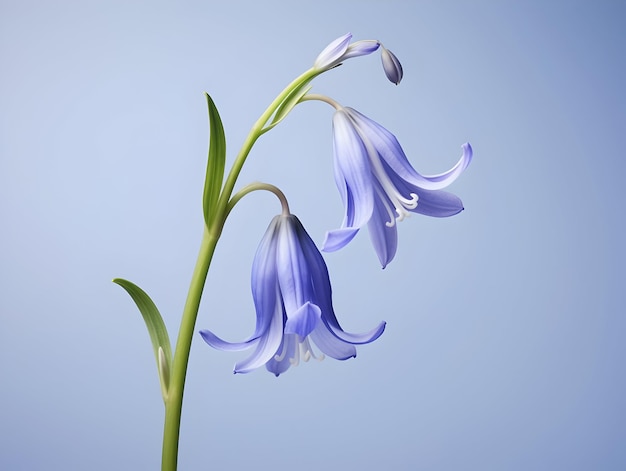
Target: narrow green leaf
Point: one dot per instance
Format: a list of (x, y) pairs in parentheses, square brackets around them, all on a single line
[(156, 328), (286, 106), (215, 163)]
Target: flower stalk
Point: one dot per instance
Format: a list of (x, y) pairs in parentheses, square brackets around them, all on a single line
[(174, 402)]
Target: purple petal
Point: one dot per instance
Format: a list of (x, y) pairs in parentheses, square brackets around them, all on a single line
[(266, 348), (437, 203), (360, 48), (303, 321), (338, 239), (268, 333), (323, 296), (331, 345), (357, 339), (391, 66), (442, 180), (292, 270), (266, 345), (320, 280), (391, 152), (384, 238), (216, 342), (280, 362), (333, 52), (264, 281), (352, 166), (264, 293)]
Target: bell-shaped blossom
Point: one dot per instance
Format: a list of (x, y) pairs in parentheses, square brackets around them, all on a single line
[(292, 296), (379, 186)]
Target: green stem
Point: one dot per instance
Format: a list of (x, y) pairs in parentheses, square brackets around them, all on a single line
[(255, 133), (174, 403), (213, 230)]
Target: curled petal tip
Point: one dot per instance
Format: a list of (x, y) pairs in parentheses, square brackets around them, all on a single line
[(391, 65), (467, 148), (338, 238)]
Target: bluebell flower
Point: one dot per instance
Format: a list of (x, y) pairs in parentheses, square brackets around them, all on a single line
[(379, 186), (292, 296)]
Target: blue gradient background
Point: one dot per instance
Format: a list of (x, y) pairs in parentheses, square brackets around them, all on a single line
[(504, 348)]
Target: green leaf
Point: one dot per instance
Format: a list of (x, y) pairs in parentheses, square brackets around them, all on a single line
[(216, 162), (156, 328), (286, 106)]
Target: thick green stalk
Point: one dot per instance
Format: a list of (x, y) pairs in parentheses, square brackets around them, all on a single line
[(174, 402)]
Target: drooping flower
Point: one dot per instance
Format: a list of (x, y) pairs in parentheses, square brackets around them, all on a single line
[(292, 296), (379, 186), (340, 49)]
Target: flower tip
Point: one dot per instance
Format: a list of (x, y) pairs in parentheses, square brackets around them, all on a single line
[(333, 52), (338, 238), (391, 65)]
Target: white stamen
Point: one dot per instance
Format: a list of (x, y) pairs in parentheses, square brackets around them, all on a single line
[(303, 350), (413, 202), (400, 204), (295, 361), (402, 212), (307, 351), (385, 200), (282, 355)]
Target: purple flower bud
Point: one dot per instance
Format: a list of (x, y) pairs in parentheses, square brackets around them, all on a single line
[(391, 65), (341, 49)]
